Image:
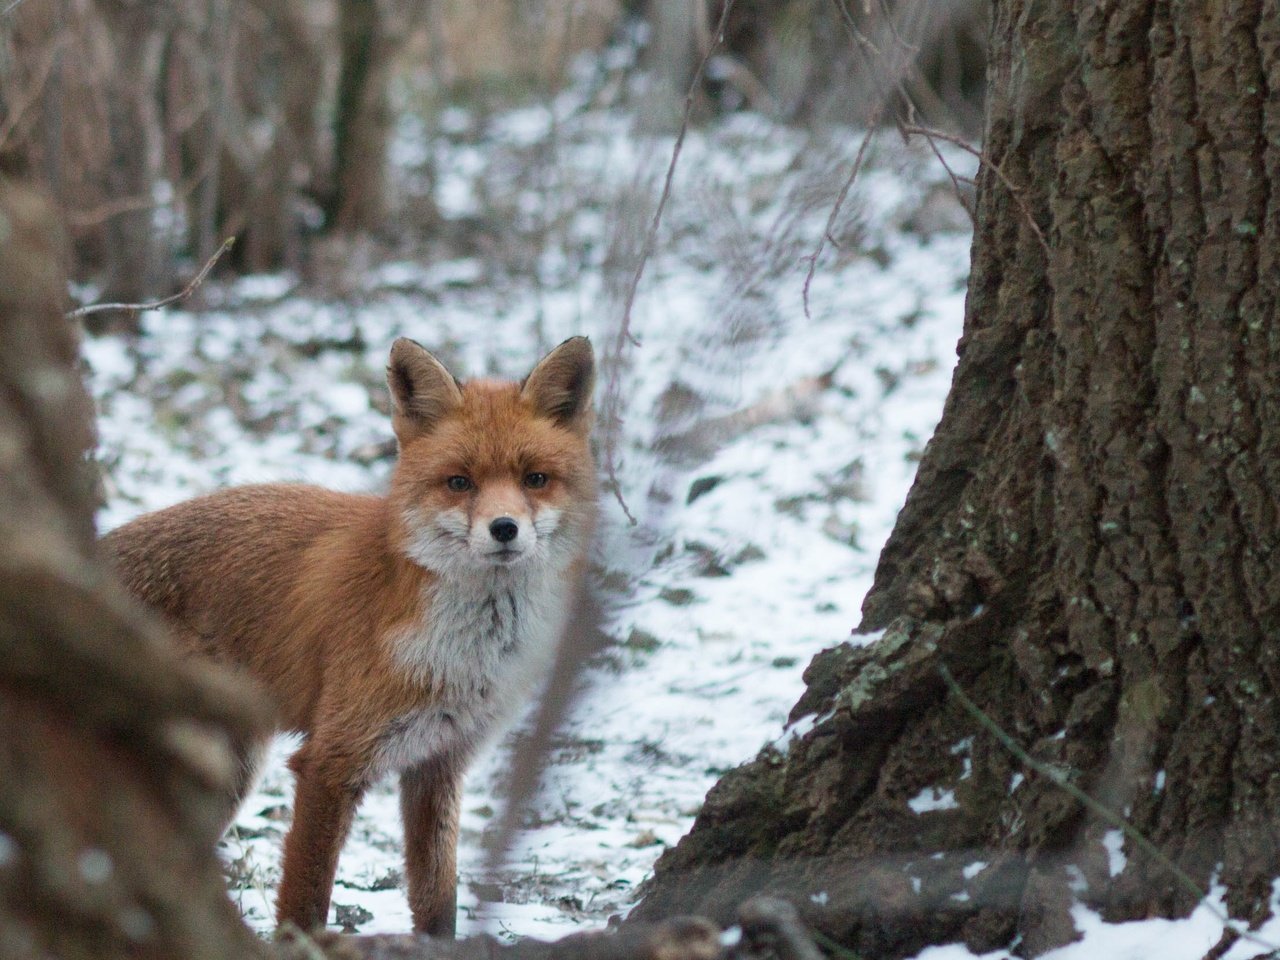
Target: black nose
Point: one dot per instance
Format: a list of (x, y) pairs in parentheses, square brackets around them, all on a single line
[(504, 529)]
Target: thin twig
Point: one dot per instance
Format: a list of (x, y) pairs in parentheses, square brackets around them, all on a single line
[(614, 419), (860, 39), (893, 73), (18, 110), (1060, 778), (955, 181), (912, 49), (836, 207), (83, 219), (181, 295), (651, 238), (985, 160)]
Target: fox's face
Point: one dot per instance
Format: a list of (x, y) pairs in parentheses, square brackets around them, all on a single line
[(493, 474)]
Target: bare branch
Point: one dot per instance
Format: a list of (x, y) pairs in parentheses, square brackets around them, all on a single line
[(912, 49), (178, 297), (956, 180), (838, 205), (681, 938), (18, 109), (893, 72), (985, 160), (83, 219), (613, 392)]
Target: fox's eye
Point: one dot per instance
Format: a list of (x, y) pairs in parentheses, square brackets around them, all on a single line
[(535, 481), (458, 484)]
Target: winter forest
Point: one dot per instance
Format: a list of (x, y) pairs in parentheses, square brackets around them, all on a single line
[(928, 610)]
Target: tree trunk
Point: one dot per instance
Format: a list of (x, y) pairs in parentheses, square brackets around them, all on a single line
[(114, 752), (362, 118), (1088, 544), (132, 262), (288, 167)]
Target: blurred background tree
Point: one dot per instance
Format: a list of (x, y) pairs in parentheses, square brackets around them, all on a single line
[(162, 128)]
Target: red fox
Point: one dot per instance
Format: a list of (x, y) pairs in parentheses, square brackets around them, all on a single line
[(394, 632)]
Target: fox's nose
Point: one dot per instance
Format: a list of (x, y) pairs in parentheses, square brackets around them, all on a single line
[(504, 529)]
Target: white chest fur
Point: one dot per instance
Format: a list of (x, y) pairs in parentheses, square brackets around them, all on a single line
[(484, 646)]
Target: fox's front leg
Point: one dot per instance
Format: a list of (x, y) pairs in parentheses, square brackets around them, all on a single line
[(329, 787), (430, 800)]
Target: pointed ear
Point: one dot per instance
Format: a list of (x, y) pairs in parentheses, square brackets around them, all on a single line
[(560, 385), (422, 390)]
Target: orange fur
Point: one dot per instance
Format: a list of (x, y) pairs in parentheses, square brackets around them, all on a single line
[(394, 632)]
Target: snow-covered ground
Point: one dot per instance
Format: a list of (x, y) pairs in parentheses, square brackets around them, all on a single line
[(763, 449), (763, 453)]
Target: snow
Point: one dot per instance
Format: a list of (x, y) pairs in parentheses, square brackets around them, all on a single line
[(956, 951), (964, 750), (1187, 939), (933, 799), (95, 866), (1113, 841), (731, 937), (764, 449)]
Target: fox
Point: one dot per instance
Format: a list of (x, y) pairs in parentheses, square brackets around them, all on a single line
[(398, 632)]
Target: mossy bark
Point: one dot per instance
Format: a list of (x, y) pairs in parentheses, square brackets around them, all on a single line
[(1089, 544)]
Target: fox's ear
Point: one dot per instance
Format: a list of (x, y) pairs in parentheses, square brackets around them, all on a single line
[(560, 385), (422, 390)]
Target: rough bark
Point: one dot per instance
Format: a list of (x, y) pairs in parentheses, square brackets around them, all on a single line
[(1089, 544), (113, 751)]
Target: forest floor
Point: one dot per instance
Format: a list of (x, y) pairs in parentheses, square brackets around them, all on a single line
[(764, 453), (769, 427)]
